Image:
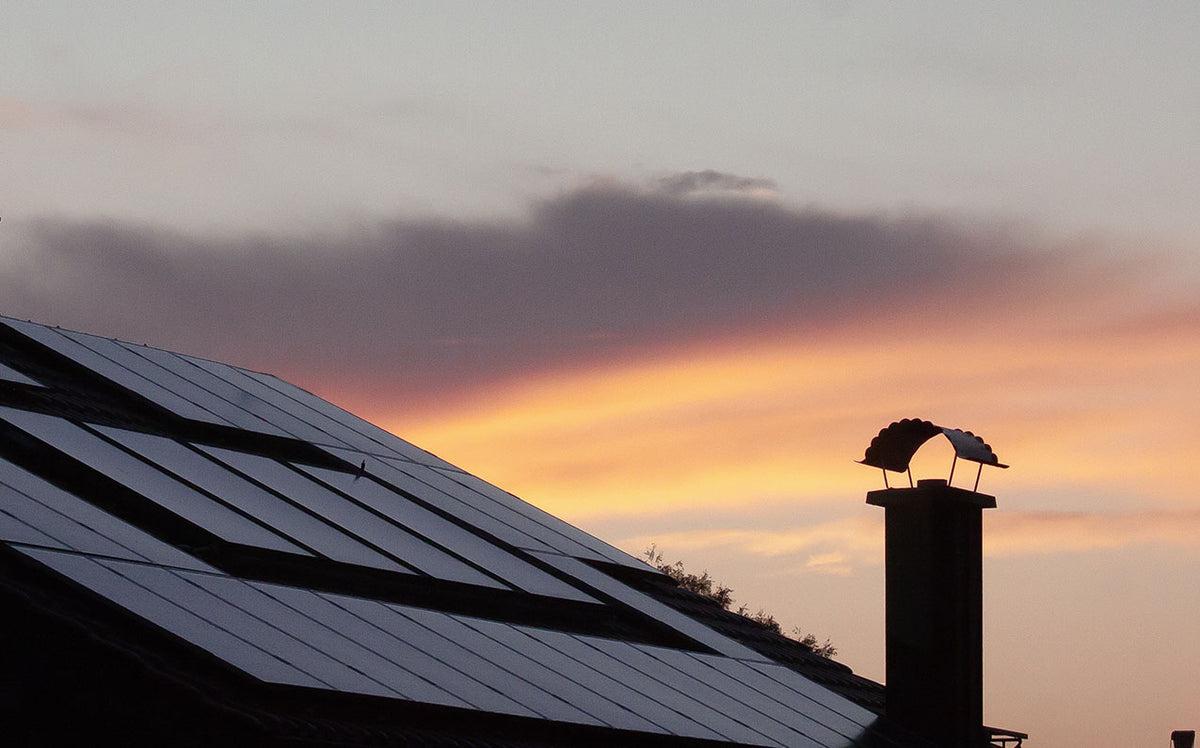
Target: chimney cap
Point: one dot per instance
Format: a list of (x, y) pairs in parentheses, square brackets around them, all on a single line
[(895, 445)]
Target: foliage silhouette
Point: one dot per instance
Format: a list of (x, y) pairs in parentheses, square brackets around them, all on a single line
[(704, 584)]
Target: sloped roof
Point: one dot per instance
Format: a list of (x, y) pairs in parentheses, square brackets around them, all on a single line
[(228, 535)]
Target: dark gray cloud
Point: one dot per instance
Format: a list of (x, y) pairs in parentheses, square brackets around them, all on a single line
[(693, 182), (428, 306)]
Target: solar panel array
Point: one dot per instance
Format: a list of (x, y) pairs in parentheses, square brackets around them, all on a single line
[(375, 504), (225, 395)]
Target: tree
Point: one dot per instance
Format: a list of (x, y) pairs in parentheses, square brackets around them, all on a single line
[(704, 584)]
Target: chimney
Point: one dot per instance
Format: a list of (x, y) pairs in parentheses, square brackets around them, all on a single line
[(934, 575)]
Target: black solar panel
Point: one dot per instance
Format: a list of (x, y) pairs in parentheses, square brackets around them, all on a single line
[(308, 549)]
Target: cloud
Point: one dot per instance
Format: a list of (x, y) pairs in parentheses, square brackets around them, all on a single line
[(834, 547), (135, 118), (1037, 533), (709, 181), (20, 114), (593, 274), (127, 117), (838, 546)]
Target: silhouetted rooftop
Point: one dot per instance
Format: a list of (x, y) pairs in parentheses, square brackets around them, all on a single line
[(204, 554)]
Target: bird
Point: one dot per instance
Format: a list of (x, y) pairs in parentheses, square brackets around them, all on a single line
[(362, 470)]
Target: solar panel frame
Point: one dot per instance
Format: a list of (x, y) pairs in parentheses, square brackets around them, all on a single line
[(282, 634), (15, 529), (301, 524), (130, 358), (301, 615), (675, 719)]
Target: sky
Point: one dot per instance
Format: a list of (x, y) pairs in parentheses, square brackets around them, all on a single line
[(665, 268)]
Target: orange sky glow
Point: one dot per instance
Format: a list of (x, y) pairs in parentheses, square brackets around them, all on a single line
[(754, 422), (738, 456), (665, 269)]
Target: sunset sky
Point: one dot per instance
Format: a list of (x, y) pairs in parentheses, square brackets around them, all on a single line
[(665, 268)]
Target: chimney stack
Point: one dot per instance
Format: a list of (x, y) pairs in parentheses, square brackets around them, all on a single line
[(934, 574)]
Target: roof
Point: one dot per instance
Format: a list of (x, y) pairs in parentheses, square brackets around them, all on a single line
[(267, 567)]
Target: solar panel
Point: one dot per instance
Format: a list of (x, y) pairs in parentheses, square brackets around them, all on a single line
[(446, 534), (407, 579), (451, 641), (297, 411), (367, 436), (525, 532), (711, 672), (613, 679), (812, 693), (550, 529), (36, 512), (207, 621), (672, 711), (362, 621), (12, 375), (400, 474), (293, 636), (651, 607), (260, 400), (609, 699), (92, 355), (210, 392), (803, 701), (509, 672), (346, 664), (354, 519), (144, 479)]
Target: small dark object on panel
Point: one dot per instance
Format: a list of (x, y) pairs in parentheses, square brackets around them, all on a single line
[(1183, 738)]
